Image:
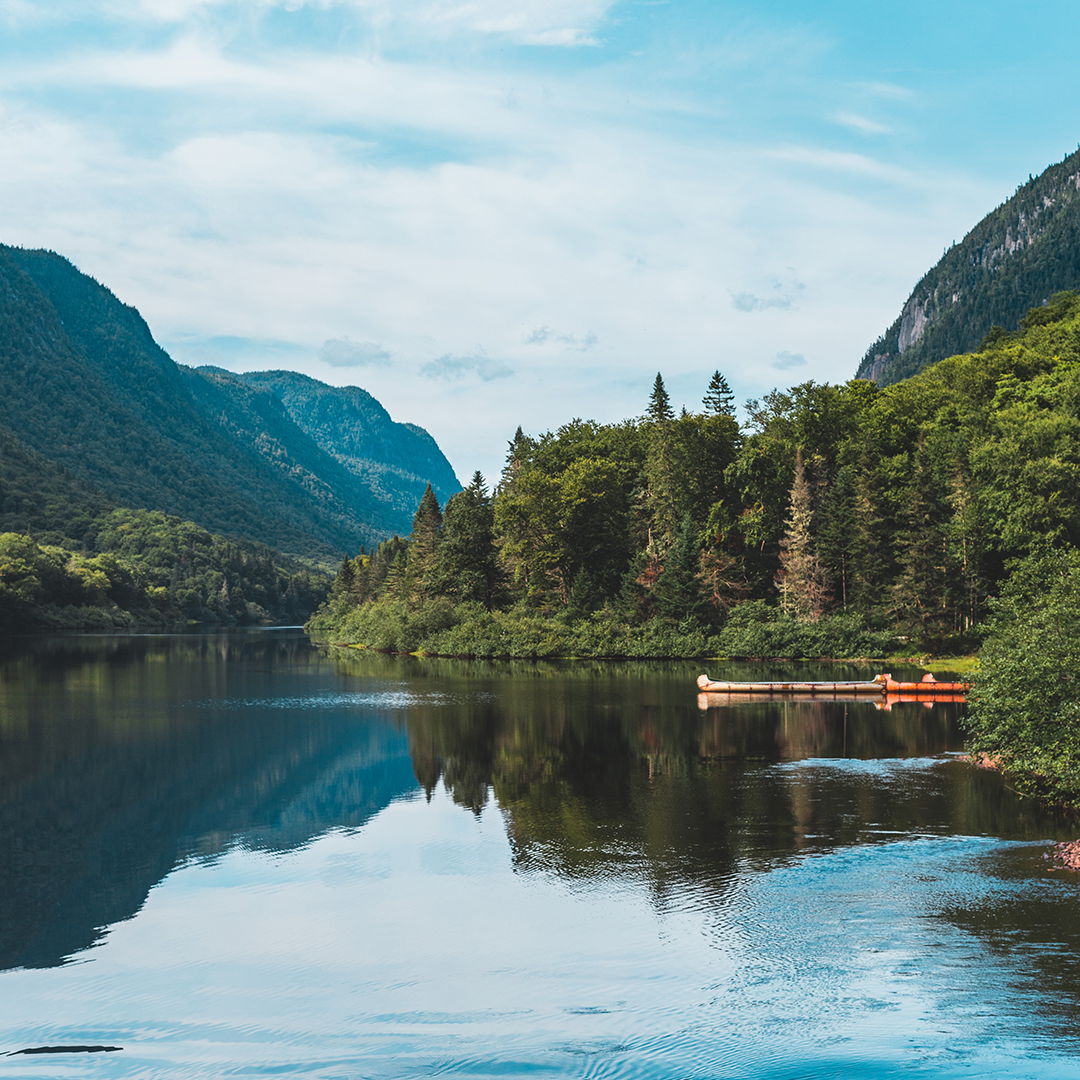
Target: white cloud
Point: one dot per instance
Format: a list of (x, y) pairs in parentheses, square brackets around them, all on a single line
[(341, 352), (860, 123), (776, 291), (531, 22), (785, 361), (298, 196), (570, 342), (477, 363)]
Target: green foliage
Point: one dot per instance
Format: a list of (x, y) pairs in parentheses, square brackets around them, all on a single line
[(1024, 713), (84, 385), (149, 570), (1026, 250), (875, 519)]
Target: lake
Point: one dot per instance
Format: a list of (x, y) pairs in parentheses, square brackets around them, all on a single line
[(238, 854)]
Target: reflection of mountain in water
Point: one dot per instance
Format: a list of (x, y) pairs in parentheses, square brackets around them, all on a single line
[(113, 771), (120, 758)]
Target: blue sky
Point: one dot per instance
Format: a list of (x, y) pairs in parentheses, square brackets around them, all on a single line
[(492, 212)]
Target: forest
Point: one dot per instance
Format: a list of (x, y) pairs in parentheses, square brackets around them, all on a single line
[(147, 569), (835, 521)]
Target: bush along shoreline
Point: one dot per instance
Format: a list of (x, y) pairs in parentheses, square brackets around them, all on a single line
[(1023, 714)]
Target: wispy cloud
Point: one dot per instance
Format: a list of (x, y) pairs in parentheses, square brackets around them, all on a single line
[(776, 291), (570, 342), (477, 363), (785, 361), (860, 123), (888, 91), (341, 352)]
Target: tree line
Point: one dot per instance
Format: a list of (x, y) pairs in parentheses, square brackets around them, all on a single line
[(834, 520), (147, 569)]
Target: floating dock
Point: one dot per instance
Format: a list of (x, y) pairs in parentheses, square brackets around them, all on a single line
[(929, 689)]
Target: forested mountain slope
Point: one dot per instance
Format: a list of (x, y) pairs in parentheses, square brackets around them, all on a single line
[(83, 384), (347, 422), (1016, 258)]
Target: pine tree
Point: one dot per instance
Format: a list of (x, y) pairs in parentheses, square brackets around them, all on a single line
[(718, 399), (517, 451), (920, 593), (659, 469), (801, 581), (869, 555), (659, 411), (423, 544), (466, 567), (677, 593), (345, 582), (836, 539)]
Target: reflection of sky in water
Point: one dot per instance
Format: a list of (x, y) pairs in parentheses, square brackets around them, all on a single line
[(381, 699), (412, 948), (604, 883)]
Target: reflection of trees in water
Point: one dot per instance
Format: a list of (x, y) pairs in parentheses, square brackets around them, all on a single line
[(610, 769)]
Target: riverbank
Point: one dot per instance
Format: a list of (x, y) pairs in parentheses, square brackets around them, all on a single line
[(754, 630)]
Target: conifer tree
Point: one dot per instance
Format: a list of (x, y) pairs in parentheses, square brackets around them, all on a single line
[(345, 581), (920, 593), (659, 411), (869, 561), (466, 567), (424, 543), (801, 581), (677, 594), (718, 399), (659, 469), (517, 450)]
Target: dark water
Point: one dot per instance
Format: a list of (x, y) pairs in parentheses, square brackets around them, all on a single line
[(237, 855)]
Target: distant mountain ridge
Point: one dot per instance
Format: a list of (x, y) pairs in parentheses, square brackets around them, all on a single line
[(84, 385), (1016, 258), (349, 424)]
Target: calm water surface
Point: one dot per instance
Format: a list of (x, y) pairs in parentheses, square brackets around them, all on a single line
[(238, 855)]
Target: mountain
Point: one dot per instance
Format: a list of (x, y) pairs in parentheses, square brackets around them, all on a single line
[(84, 386), (1016, 258), (350, 424)]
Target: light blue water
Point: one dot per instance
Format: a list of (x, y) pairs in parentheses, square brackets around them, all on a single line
[(234, 856)]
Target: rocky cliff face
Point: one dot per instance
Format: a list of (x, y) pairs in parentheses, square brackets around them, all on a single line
[(1016, 258)]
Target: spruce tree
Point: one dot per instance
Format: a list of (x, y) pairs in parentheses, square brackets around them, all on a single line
[(424, 543), (466, 567), (718, 399), (677, 594), (659, 411), (659, 469), (800, 580)]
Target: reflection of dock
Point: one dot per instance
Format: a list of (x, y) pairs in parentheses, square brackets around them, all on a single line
[(885, 702), (883, 691)]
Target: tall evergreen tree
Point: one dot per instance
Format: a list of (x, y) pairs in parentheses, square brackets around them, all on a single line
[(836, 538), (517, 451), (718, 399), (659, 469), (800, 580), (467, 566), (677, 594), (920, 593), (424, 544), (659, 411)]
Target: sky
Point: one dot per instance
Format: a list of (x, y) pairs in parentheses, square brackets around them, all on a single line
[(492, 213)]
